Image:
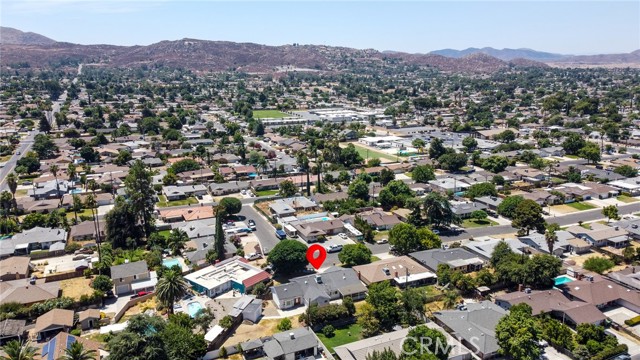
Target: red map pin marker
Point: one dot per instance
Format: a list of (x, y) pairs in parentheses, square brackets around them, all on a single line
[(316, 261)]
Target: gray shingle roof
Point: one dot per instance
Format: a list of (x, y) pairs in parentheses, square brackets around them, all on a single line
[(432, 258), (129, 269)]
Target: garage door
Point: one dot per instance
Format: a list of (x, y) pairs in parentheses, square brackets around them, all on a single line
[(120, 289)]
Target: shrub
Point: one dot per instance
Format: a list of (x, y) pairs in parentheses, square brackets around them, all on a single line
[(611, 352), (598, 264), (72, 247), (76, 332), (223, 352), (633, 321), (284, 325), (329, 331)]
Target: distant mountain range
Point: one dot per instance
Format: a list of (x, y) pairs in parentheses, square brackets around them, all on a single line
[(18, 47)]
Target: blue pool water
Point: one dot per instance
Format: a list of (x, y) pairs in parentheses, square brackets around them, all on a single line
[(76, 191), (325, 219), (193, 308), (170, 263), (563, 279)]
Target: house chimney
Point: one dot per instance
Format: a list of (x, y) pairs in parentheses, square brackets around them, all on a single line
[(359, 275), (292, 336), (396, 274)]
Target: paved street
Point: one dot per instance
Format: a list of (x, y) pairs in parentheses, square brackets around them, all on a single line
[(22, 149), (265, 232)]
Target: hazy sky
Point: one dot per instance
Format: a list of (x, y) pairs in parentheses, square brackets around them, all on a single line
[(569, 27)]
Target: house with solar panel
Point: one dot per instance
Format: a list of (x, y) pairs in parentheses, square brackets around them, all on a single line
[(55, 348), (53, 322)]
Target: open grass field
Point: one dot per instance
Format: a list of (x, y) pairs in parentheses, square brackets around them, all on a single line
[(373, 154), (275, 114), (343, 335), (581, 206), (474, 223)]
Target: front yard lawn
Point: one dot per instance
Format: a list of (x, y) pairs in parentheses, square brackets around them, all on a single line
[(164, 203), (474, 223), (626, 199), (581, 206), (71, 215), (343, 335), (266, 192)]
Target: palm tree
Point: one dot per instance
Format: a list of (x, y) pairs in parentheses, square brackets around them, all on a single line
[(171, 286), (14, 350), (551, 237), (77, 352), (54, 170), (71, 171), (177, 239), (12, 182)]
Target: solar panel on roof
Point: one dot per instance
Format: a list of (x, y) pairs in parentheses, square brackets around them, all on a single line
[(52, 348), (70, 340), (45, 349)]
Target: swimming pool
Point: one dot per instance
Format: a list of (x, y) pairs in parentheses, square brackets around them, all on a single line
[(170, 263), (563, 279), (193, 308), (325, 219)]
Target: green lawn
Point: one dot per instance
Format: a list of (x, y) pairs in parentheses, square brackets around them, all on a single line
[(344, 335), (374, 258), (581, 206), (164, 233), (626, 199), (572, 156), (276, 114), (20, 193), (373, 154), (72, 215), (379, 235), (164, 203), (266, 192), (474, 223)]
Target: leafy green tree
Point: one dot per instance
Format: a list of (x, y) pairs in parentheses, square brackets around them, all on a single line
[(404, 238), (386, 176), (453, 161), (469, 143), (288, 188), (423, 174), (170, 288), (437, 210), (481, 189), (495, 163), (185, 165), (34, 219), (44, 147), (412, 303), (419, 144), (219, 240), (355, 254), (139, 189), (77, 352), (102, 283), (541, 269), (506, 136), (507, 207), (611, 212), (479, 215), (121, 227), (590, 152), (347, 302), (384, 299), (556, 333), (288, 256), (395, 193), (423, 342), (528, 216), (598, 264), (123, 158), (368, 320), (230, 206), (364, 227), (626, 170), (284, 324), (359, 189), (517, 334), (573, 143), (28, 164), (436, 148), (226, 322), (15, 350)]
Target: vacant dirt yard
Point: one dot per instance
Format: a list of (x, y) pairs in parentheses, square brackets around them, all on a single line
[(76, 287), (265, 327)]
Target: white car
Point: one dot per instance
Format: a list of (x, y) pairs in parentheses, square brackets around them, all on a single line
[(343, 236), (334, 248), (382, 241), (253, 256)]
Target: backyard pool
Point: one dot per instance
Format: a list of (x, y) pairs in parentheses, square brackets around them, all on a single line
[(193, 308), (563, 279), (170, 263)]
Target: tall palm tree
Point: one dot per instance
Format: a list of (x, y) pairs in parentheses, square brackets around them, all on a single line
[(71, 171), (171, 287), (77, 352), (12, 182), (177, 239), (54, 170), (551, 237), (14, 350)]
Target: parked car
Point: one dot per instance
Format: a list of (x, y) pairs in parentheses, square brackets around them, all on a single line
[(268, 268), (281, 234), (253, 256), (252, 225), (382, 241), (343, 236), (334, 248)]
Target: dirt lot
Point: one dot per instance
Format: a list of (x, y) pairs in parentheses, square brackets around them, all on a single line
[(76, 287), (265, 327)]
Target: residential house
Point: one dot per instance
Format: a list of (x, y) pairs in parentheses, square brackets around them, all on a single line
[(334, 196), (294, 344), (602, 292), (235, 273), (361, 350), (52, 322), (378, 219), (15, 268), (449, 184), (629, 277), (57, 346), (537, 241), (600, 235), (28, 205), (281, 209), (319, 289), (50, 189), (186, 214), (219, 189), (249, 307), (313, 231), (86, 230), (37, 238), (490, 202), (456, 258), (477, 322), (11, 329), (542, 197), (401, 271), (89, 319), (172, 192), (485, 247), (465, 209), (196, 176), (133, 276), (23, 292)]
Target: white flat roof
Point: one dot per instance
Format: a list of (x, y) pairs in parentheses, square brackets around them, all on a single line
[(216, 275)]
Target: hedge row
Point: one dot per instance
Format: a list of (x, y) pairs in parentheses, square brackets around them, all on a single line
[(611, 352)]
